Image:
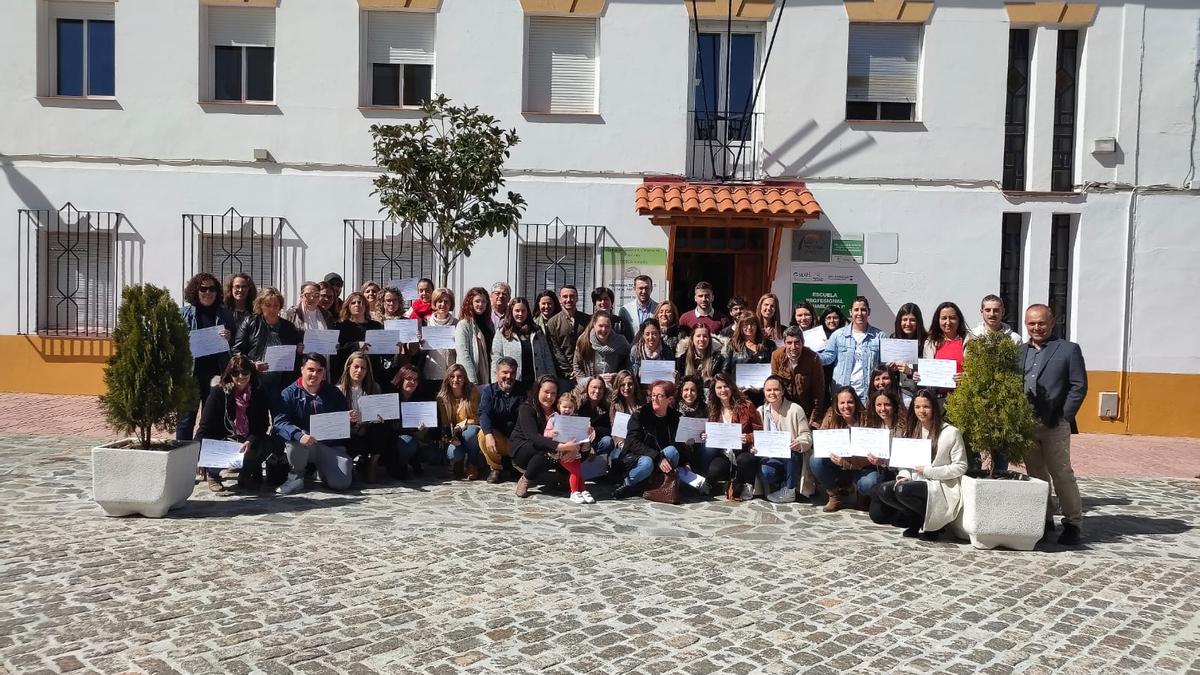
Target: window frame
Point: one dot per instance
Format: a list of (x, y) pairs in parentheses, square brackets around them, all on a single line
[(54, 12), (526, 63), (914, 105), (367, 67), (208, 78), (244, 76)]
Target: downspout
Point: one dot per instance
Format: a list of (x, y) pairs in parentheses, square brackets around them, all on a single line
[(1131, 239)]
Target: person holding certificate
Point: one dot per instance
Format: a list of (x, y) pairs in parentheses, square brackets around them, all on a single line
[(728, 404), (691, 398), (910, 325), (650, 440), (929, 497), (308, 313), (312, 394), (748, 345), (238, 410), (391, 357), (266, 328), (434, 362), (837, 474), (352, 331), (780, 414), (458, 407), (412, 437), (372, 441), (203, 309), (422, 305), (853, 350), (536, 455), (884, 411), (885, 378), (567, 407), (947, 338), (800, 370), (701, 357), (520, 339), (649, 346), (600, 350), (594, 403), (626, 394)]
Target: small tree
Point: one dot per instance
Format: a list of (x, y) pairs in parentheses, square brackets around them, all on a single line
[(149, 375), (989, 406), (446, 169)]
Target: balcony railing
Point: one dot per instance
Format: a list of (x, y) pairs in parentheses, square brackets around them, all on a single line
[(725, 146)]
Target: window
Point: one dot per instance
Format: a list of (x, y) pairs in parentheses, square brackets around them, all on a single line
[(1016, 110), (83, 47), (383, 250), (1012, 253), (560, 65), (400, 55), (1062, 169), (724, 120), (554, 254), (243, 53), (1061, 242), (231, 243), (67, 279), (882, 71)]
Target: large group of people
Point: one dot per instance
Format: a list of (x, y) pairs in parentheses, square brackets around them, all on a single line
[(517, 365)]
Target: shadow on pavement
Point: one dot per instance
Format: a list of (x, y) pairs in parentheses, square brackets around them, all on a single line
[(255, 505), (1092, 502), (1106, 529)]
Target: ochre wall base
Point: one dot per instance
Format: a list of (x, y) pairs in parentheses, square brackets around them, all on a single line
[(1158, 404)]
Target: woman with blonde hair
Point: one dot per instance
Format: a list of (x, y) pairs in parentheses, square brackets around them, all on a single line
[(458, 409), (701, 357), (371, 441), (767, 313)]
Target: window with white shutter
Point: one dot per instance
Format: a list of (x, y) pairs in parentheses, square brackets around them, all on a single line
[(560, 65), (400, 57), (883, 71), (242, 44)]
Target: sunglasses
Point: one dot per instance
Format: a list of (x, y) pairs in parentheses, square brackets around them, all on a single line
[(239, 375), (208, 289)]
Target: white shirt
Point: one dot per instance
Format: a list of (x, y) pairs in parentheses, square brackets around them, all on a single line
[(314, 319), (858, 376)]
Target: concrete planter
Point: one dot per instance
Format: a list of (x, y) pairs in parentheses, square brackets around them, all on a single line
[(150, 482), (1003, 513)]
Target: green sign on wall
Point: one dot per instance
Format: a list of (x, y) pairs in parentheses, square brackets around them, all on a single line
[(824, 289)]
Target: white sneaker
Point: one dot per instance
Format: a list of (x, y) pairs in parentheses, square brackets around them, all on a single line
[(782, 496), (577, 497), (292, 485), (587, 497)]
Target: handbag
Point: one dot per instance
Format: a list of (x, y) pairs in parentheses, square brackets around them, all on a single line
[(663, 488)]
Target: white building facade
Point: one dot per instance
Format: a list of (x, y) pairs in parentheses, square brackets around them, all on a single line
[(1043, 151)]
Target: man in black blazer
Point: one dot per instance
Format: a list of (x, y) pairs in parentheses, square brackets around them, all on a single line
[(1056, 383)]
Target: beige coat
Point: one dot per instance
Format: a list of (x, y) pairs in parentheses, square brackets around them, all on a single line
[(944, 476), (796, 423)]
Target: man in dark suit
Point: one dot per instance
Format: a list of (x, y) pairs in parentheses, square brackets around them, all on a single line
[(1056, 383)]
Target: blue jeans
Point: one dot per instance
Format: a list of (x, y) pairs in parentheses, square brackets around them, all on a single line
[(999, 462), (788, 470), (406, 448), (645, 466), (829, 475), (605, 445), (468, 450)]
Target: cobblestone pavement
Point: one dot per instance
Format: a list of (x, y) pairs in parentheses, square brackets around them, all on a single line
[(1094, 455), (446, 578)]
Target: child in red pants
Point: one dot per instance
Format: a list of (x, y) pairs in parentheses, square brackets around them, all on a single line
[(573, 463)]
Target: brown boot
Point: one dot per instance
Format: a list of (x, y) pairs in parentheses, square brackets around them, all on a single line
[(457, 470), (837, 500), (472, 472), (522, 489), (494, 476)]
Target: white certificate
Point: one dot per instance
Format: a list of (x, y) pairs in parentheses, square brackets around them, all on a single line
[(814, 338), (320, 341), (406, 329), (280, 358), (937, 372), (620, 427), (407, 287), (571, 428), (829, 442), (220, 454), (206, 341), (437, 337), (329, 426), (909, 453), (752, 375), (689, 429), (773, 444), (726, 435), (650, 372), (865, 440), (416, 413), (375, 407), (382, 341), (895, 349)]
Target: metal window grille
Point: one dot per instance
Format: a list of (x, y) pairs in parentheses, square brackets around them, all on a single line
[(231, 243), (1011, 254), (66, 271), (554, 254), (1060, 273), (382, 250), (1016, 110), (1062, 168)]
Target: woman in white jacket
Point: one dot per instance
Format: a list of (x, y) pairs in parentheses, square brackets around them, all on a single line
[(472, 342), (929, 497), (780, 414)]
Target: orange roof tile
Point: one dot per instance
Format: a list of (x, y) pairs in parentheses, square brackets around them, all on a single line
[(662, 197)]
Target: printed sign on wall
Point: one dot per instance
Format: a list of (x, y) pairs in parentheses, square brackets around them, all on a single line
[(824, 288), (622, 265)]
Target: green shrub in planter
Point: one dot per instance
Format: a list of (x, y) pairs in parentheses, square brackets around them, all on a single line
[(149, 375), (989, 406)]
